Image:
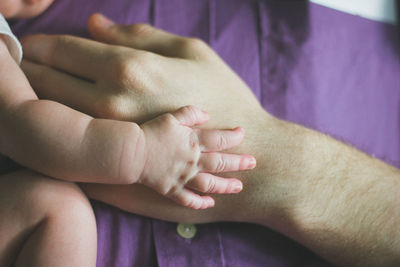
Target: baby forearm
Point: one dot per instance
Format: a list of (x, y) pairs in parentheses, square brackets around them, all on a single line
[(58, 141), (63, 143)]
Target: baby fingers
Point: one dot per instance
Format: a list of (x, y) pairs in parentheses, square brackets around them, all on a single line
[(220, 162), (190, 116), (208, 183), (217, 140), (192, 200)]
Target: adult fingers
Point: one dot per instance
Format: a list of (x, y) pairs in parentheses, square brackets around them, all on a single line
[(59, 86), (217, 140), (190, 116), (76, 93), (208, 183), (220, 162), (78, 56), (146, 37), (191, 200)]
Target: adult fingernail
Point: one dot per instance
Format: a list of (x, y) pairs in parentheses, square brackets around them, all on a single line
[(103, 21)]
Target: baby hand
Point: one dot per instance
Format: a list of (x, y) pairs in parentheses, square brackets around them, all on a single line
[(180, 158)]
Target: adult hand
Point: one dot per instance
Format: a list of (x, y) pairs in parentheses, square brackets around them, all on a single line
[(147, 72), (326, 195), (136, 78)]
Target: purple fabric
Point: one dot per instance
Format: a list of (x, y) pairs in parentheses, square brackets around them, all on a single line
[(327, 70)]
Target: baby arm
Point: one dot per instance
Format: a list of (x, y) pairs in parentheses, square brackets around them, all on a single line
[(55, 140), (166, 154)]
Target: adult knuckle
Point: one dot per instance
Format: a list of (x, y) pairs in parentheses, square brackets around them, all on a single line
[(111, 107), (195, 48), (146, 60), (133, 69), (141, 30), (122, 66), (55, 44), (38, 77), (194, 44)]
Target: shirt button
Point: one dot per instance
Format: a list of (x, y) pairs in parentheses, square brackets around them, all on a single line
[(186, 230)]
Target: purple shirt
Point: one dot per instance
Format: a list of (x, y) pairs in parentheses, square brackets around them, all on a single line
[(324, 69)]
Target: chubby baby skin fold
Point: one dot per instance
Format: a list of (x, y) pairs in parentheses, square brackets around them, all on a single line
[(167, 153)]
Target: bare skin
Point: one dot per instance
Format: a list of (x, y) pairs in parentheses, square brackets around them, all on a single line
[(167, 153), (337, 201), (23, 8), (115, 152), (34, 209)]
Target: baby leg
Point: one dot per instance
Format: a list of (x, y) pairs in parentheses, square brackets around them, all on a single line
[(45, 222)]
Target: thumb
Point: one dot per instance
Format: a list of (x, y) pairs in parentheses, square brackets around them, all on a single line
[(140, 36), (191, 116)]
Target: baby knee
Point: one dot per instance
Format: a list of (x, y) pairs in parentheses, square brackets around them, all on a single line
[(39, 196), (64, 199)]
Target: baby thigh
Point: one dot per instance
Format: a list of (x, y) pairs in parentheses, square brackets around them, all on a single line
[(45, 222)]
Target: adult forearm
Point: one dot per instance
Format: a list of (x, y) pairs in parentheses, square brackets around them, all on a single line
[(359, 218), (337, 201), (324, 194), (332, 198)]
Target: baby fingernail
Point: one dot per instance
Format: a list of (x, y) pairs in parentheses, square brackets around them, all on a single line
[(237, 187), (251, 162)]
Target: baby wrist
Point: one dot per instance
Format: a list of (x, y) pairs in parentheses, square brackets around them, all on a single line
[(133, 156)]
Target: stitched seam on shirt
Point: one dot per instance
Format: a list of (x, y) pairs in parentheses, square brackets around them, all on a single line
[(212, 22), (221, 248), (260, 50), (151, 12), (152, 222)]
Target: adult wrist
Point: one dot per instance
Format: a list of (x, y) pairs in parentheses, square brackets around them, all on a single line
[(267, 195), (289, 159), (342, 197)]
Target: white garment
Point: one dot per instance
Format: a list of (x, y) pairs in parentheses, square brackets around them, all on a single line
[(14, 46)]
